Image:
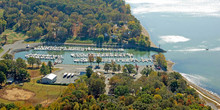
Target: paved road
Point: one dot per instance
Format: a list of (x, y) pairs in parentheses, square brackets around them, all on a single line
[(17, 45)]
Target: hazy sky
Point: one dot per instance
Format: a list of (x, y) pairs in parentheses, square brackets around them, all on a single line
[(193, 7)]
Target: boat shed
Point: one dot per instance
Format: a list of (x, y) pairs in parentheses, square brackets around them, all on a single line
[(49, 79)]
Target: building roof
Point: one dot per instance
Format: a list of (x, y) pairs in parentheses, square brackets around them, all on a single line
[(50, 76)]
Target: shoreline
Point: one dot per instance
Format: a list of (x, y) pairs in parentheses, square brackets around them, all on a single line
[(209, 98), (205, 95), (145, 33)]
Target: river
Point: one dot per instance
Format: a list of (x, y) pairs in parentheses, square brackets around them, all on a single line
[(189, 31)]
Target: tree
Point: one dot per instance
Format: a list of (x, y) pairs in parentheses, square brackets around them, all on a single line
[(121, 90), (119, 68), (96, 87), (107, 67), (8, 57), (3, 24), (146, 71), (161, 60), (20, 63), (114, 67), (23, 75), (50, 65), (38, 62), (3, 67), (100, 40), (31, 61), (98, 60), (129, 67), (2, 77), (91, 58), (173, 85), (89, 72), (44, 69), (146, 98), (157, 97)]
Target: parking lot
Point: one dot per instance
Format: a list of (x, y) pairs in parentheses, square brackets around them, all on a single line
[(68, 69)]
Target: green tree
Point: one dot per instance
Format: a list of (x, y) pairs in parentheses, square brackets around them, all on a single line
[(119, 68), (36, 32), (20, 63), (23, 75), (2, 77), (50, 65), (121, 90), (114, 67), (96, 87), (173, 85), (89, 72), (98, 60), (107, 67), (31, 61), (38, 62), (100, 40), (3, 24), (129, 67), (146, 71), (44, 70), (146, 98), (8, 57), (132, 41), (3, 67)]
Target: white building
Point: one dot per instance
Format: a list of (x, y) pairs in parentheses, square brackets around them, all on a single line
[(49, 79)]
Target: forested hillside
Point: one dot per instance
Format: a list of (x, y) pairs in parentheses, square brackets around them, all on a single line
[(108, 21), (153, 91)]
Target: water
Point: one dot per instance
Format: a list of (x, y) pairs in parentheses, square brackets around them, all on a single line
[(70, 60), (185, 28)]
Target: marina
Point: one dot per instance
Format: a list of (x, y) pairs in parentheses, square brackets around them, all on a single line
[(80, 49), (44, 56), (103, 55), (79, 55)]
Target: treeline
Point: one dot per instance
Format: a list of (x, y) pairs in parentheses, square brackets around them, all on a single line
[(59, 20), (13, 69), (153, 91)]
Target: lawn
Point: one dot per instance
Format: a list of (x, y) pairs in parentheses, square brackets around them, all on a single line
[(1, 50), (13, 36), (35, 72), (43, 93)]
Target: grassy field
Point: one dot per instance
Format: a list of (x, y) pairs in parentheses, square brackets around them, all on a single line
[(42, 92), (35, 72), (13, 36), (1, 50)]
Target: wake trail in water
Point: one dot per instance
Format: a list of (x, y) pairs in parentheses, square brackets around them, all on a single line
[(196, 50)]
